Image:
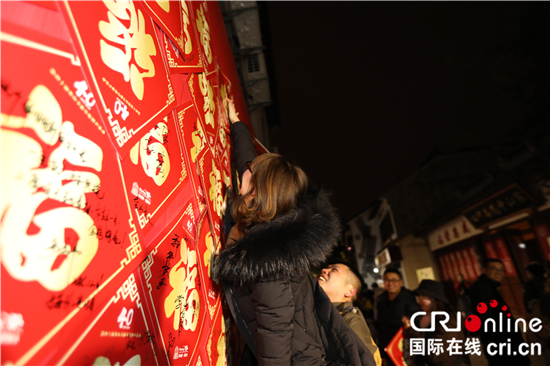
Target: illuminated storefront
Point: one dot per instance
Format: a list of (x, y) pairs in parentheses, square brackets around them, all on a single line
[(507, 226)]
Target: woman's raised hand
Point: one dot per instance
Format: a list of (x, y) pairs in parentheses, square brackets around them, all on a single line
[(231, 111)]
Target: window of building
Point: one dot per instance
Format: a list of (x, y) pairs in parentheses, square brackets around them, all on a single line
[(253, 63)]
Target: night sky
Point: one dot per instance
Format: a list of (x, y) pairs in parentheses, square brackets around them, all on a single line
[(367, 92)]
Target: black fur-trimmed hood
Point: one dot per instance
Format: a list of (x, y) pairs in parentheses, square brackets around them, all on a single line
[(285, 246)]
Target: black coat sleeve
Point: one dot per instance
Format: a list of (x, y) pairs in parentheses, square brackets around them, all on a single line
[(274, 306), (243, 147)]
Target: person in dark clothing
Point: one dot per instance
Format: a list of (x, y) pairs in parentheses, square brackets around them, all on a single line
[(365, 301), (391, 306), (541, 310), (462, 285), (283, 225), (484, 290), (534, 287), (431, 296), (341, 283)]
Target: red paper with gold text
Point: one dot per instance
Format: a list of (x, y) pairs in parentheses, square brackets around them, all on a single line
[(202, 24), (209, 250), (194, 142), (156, 173), (79, 313), (222, 140), (174, 293), (121, 330), (67, 230), (182, 55), (203, 89), (394, 349), (123, 63), (213, 185), (214, 343)]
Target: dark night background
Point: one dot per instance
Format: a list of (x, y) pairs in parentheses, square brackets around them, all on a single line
[(367, 92)]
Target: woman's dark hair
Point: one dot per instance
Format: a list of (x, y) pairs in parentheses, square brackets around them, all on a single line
[(276, 186)]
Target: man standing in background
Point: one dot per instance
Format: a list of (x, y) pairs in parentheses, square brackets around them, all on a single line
[(485, 290), (391, 306)]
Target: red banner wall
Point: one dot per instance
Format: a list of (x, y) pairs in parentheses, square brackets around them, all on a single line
[(116, 161)]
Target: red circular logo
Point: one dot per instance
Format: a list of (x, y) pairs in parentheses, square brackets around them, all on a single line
[(481, 308), (493, 303), (473, 323)]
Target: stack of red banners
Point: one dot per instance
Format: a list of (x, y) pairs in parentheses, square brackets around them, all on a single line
[(116, 167)]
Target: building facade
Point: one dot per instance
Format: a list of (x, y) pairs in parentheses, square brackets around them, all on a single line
[(458, 210)]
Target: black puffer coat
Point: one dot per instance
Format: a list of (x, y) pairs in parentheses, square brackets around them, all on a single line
[(285, 316)]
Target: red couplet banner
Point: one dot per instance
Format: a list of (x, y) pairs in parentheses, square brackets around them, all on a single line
[(394, 349), (116, 168)]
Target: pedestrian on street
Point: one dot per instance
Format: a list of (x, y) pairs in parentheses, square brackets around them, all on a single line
[(431, 296), (391, 306), (483, 291), (283, 225)]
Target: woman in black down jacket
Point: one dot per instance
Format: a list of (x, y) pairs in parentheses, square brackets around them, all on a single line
[(283, 226)]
